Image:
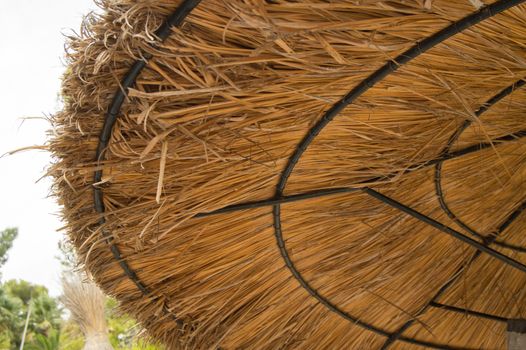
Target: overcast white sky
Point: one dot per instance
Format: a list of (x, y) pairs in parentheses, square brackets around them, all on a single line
[(31, 51)]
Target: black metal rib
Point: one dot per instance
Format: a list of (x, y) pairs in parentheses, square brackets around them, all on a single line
[(446, 229), (175, 19), (332, 191), (332, 307), (285, 199), (398, 334), (454, 278), (438, 168), (356, 92), (468, 312), (484, 145), (388, 68)]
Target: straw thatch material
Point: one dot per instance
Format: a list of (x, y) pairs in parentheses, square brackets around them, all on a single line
[(86, 303), (215, 118)]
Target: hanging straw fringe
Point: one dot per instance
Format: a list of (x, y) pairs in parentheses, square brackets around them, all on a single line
[(86, 303)]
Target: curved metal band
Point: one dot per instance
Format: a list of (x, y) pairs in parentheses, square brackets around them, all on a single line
[(468, 312), (175, 20), (356, 92), (445, 229), (454, 278), (438, 168), (323, 192), (388, 68)]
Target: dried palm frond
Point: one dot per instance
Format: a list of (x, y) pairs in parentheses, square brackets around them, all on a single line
[(214, 119), (86, 303)]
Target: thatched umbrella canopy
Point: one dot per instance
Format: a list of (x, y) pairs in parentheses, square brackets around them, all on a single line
[(309, 174)]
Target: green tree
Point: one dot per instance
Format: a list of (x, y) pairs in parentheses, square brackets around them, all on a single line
[(71, 337), (45, 342), (16, 297), (9, 307), (7, 237), (67, 256), (124, 330), (9, 318)]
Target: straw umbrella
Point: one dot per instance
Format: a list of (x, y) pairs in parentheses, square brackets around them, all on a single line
[(309, 174)]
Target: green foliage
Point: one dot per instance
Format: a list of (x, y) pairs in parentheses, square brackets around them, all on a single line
[(23, 290), (16, 297), (10, 316), (47, 330), (124, 331), (45, 342), (4, 341), (7, 237), (67, 257), (71, 337)]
